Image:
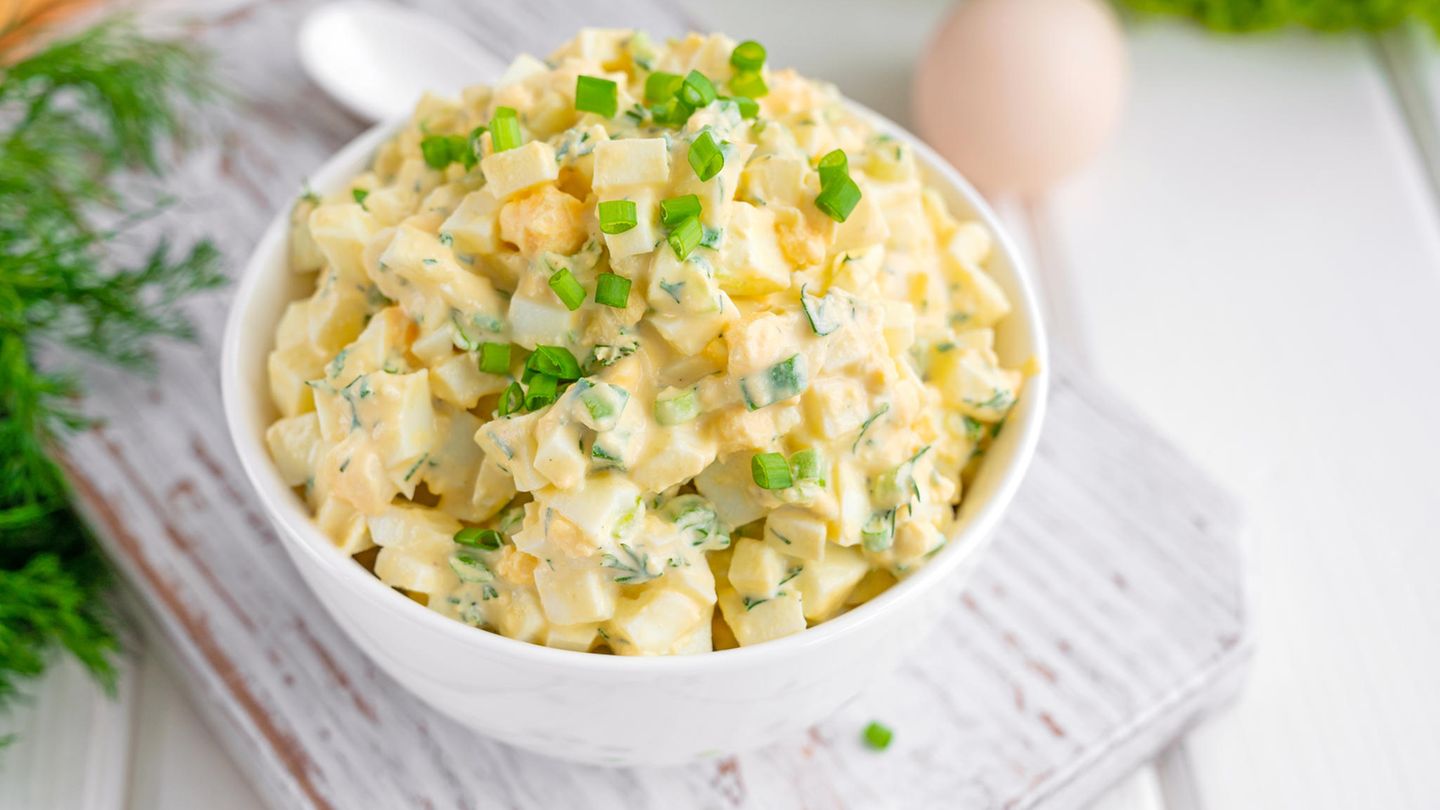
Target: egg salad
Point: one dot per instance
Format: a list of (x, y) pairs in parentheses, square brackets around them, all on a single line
[(648, 349)]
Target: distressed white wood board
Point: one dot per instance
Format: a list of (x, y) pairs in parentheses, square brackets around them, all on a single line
[(1110, 614), (1258, 258)]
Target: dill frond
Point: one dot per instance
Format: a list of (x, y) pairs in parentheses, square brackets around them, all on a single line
[(75, 117), (1320, 15)]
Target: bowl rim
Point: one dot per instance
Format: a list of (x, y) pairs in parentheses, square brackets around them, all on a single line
[(297, 528)]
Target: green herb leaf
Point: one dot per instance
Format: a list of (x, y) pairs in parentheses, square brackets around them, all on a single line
[(72, 115)]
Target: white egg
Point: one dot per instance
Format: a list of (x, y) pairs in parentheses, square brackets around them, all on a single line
[(1018, 93)]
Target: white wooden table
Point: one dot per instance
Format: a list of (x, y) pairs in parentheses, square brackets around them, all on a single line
[(1255, 262)]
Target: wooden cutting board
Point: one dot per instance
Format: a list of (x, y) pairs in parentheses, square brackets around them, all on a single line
[(1109, 614)]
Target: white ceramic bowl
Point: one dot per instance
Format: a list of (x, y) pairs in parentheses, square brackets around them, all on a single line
[(611, 709)]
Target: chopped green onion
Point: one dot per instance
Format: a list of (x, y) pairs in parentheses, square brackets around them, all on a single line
[(895, 487), (476, 537), (603, 403), (567, 289), (838, 199), (676, 408), (495, 358), (748, 55), (674, 112), (469, 569), (612, 290), (440, 151), (878, 533), (770, 471), (542, 392), (696, 90), (786, 379), (555, 361), (677, 209), (605, 458), (685, 237), (504, 129), (706, 158), (822, 312), (617, 216), (878, 736), (806, 466), (661, 86), (593, 94), (511, 400), (749, 107), (463, 149), (748, 83), (833, 167), (435, 151)]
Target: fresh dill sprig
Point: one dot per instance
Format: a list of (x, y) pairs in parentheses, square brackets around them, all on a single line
[(76, 117), (1321, 15)]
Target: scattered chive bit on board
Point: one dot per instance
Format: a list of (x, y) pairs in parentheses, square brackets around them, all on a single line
[(878, 736)]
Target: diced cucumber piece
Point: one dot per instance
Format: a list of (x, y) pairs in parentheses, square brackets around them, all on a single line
[(786, 379)]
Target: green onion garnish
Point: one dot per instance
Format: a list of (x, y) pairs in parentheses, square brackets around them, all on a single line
[(677, 408), (511, 399), (878, 736), (878, 532), (495, 358), (661, 86), (748, 55), (541, 392), (749, 107), (677, 209), (612, 290), (806, 466), (504, 129), (685, 237), (568, 290), (839, 198), (617, 216), (359, 194), (469, 569), (832, 167), (440, 151), (696, 90), (706, 158), (748, 83), (603, 402), (436, 151), (770, 471), (593, 94), (476, 537), (671, 113), (554, 361)]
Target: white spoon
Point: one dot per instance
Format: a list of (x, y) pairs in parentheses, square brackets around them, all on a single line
[(377, 58)]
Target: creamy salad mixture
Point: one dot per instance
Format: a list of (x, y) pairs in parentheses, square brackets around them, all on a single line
[(648, 349)]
